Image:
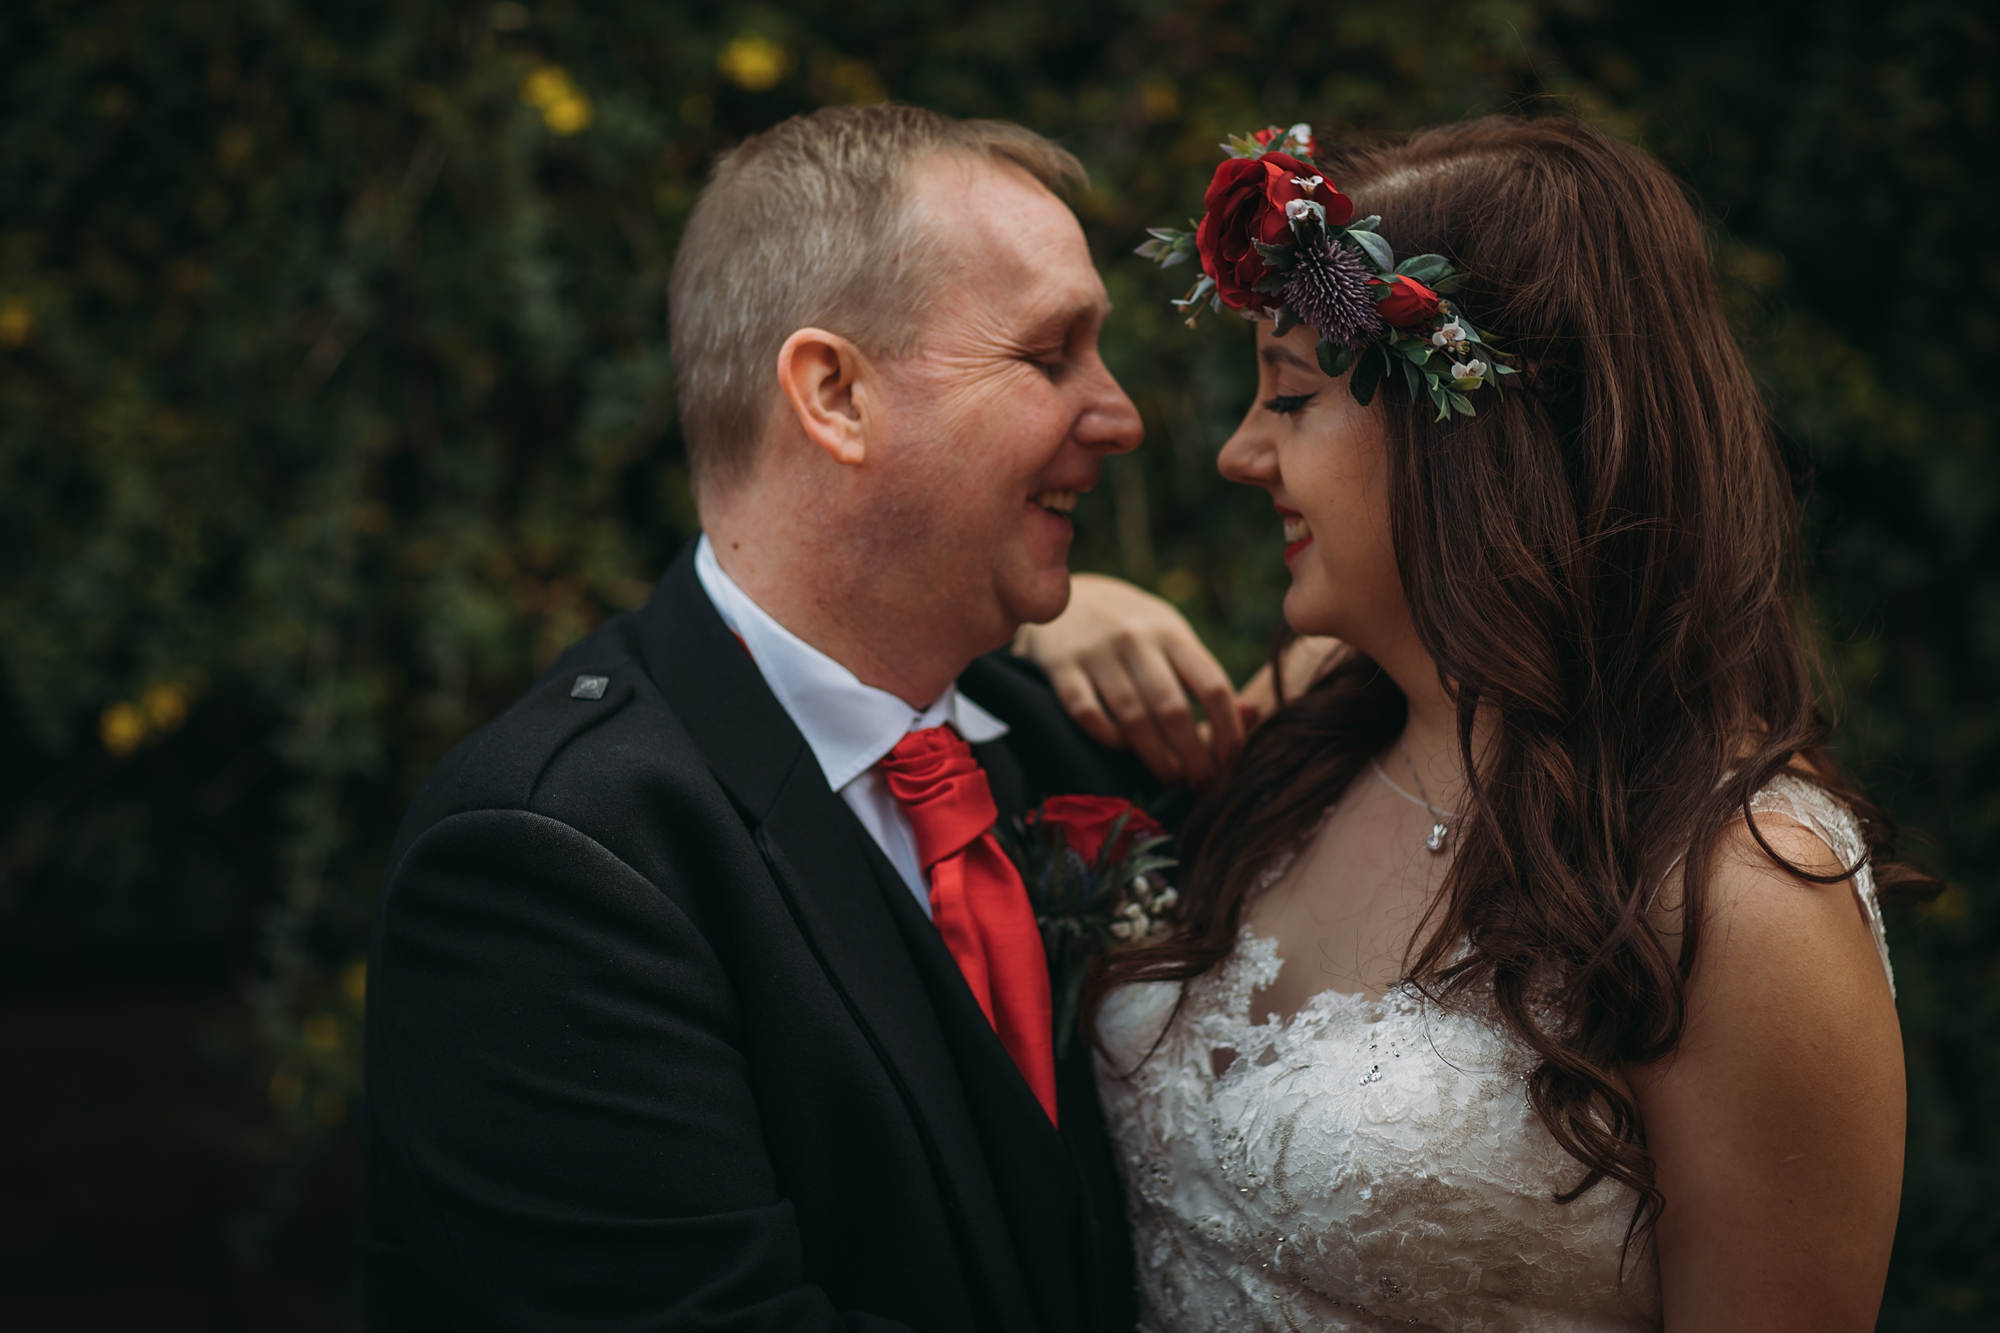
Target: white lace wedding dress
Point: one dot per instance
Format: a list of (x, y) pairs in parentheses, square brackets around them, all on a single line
[(1366, 1164)]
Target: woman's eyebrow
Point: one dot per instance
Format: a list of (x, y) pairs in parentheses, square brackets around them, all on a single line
[(1284, 354)]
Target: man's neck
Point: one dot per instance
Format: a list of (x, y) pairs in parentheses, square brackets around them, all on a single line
[(843, 618)]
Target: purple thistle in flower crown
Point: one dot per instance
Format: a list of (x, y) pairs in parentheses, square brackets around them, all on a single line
[(1328, 289)]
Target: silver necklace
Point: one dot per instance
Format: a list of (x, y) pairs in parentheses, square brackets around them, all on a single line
[(1440, 819)]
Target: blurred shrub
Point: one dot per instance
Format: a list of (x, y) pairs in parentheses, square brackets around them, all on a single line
[(334, 401)]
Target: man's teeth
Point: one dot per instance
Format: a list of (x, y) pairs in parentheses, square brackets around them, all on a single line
[(1296, 529), (1060, 502)]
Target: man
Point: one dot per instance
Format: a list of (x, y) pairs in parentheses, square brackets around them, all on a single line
[(680, 1012)]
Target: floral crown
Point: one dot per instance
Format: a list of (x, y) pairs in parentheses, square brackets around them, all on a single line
[(1279, 239)]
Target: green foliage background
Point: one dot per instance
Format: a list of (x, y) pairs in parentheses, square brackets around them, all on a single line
[(335, 400)]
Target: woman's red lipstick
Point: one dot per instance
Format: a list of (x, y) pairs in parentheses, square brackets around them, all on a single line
[(1288, 516)]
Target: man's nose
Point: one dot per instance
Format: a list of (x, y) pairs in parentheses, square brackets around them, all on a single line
[(1111, 422)]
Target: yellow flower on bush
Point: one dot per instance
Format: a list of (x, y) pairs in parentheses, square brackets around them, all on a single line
[(17, 322), (165, 706), (550, 90), (122, 728), (161, 709), (753, 63)]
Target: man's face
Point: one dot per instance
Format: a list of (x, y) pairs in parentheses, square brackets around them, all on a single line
[(1004, 413)]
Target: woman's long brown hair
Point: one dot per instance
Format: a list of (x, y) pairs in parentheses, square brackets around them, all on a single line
[(1604, 561)]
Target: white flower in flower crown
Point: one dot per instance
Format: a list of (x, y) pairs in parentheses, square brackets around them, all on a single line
[(1302, 132), (1468, 370), (1308, 183), (1303, 208), (1450, 333)]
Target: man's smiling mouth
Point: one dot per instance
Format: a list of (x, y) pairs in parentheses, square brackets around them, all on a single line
[(1057, 502)]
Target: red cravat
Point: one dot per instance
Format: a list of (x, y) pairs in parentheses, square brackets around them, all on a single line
[(978, 902)]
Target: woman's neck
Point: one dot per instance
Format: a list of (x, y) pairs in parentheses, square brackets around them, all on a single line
[(1431, 738)]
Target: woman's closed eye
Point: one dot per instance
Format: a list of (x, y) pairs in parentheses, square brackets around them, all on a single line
[(1287, 403)]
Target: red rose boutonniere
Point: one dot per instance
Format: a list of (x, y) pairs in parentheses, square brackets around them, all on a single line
[(1092, 866)]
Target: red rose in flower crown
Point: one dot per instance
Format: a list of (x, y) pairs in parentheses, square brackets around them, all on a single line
[(1409, 304), (1247, 202), (1279, 239), (1086, 822)]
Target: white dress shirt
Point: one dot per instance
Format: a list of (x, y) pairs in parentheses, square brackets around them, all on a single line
[(849, 726)]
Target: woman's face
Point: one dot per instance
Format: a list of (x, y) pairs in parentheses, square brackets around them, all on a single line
[(1322, 457)]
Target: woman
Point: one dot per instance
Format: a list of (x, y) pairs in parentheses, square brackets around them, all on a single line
[(1530, 974)]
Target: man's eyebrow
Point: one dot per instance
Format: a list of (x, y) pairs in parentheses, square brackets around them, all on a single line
[(1059, 322)]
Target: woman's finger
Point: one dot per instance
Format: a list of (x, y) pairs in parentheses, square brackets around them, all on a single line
[(1209, 683), (1078, 696), (1171, 710), (1126, 701)]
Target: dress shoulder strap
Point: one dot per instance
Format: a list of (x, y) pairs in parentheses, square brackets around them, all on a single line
[(1834, 824)]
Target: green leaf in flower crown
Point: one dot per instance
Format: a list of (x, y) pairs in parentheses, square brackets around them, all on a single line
[(1430, 270), (1442, 404), (1416, 381), (1287, 320), (1273, 281), (1369, 223), (1448, 285), (1375, 248), (1201, 289), (1461, 402), (1368, 374), (1277, 256), (1242, 145), (1167, 245), (1335, 361)]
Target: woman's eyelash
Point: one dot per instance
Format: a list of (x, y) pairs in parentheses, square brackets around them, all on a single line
[(1287, 403)]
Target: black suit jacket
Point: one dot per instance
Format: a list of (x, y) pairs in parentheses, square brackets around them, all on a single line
[(658, 1039)]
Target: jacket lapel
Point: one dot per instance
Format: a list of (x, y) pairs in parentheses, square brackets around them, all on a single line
[(820, 858)]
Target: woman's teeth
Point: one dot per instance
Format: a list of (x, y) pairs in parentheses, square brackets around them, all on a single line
[(1057, 502), (1295, 529)]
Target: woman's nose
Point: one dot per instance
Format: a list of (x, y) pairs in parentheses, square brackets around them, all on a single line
[(1246, 460)]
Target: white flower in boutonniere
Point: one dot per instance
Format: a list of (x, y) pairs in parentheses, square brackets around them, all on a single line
[(1092, 866)]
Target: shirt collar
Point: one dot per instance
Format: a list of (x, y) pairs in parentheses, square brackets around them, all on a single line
[(848, 725)]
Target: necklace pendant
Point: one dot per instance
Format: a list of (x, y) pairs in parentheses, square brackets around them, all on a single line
[(1439, 832)]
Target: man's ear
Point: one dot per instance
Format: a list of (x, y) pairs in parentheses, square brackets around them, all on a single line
[(822, 375)]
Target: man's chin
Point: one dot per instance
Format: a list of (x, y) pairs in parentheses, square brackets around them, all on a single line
[(1038, 600)]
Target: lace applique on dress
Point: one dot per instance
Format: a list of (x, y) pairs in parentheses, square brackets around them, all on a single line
[(1833, 824), (1363, 1164)]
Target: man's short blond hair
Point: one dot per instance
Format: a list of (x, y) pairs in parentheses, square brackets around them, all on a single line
[(808, 225)]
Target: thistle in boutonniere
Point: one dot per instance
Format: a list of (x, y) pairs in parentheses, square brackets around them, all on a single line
[(1093, 867)]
